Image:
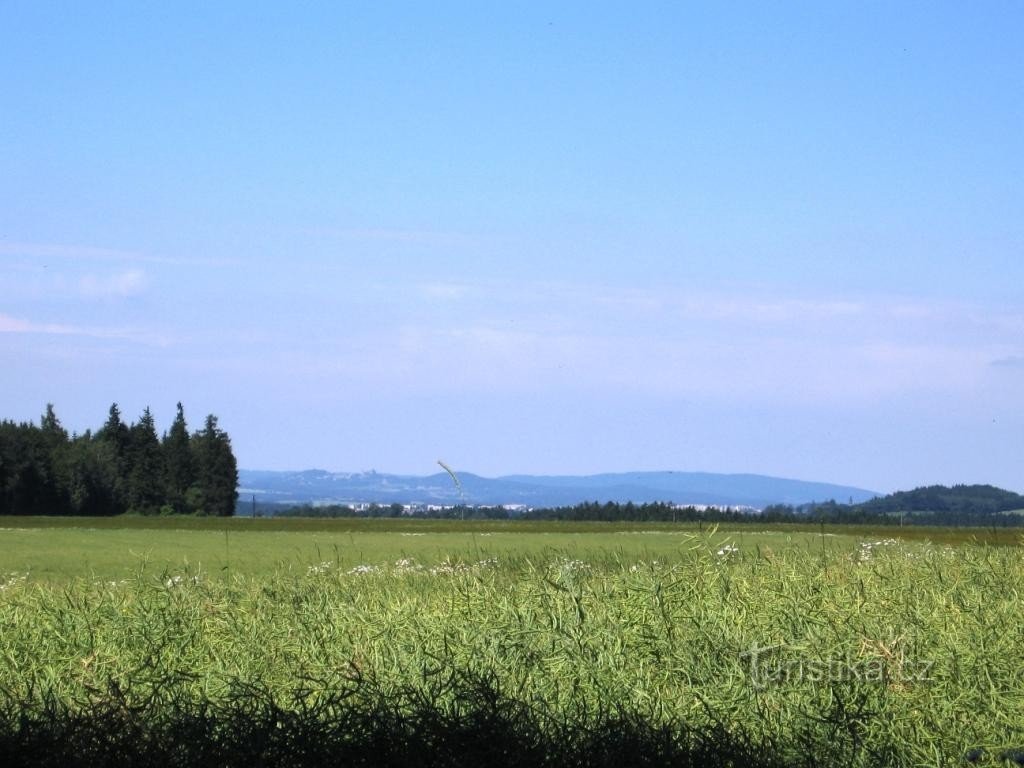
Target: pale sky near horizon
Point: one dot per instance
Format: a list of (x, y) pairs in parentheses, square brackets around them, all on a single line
[(775, 238)]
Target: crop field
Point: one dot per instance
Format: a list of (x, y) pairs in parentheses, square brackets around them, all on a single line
[(49, 550), (300, 642)]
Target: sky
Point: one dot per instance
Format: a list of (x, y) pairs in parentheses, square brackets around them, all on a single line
[(780, 238)]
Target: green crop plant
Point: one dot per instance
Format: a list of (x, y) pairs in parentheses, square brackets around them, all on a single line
[(887, 653)]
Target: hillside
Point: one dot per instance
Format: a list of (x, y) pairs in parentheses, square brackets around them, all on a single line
[(312, 486), (946, 500)]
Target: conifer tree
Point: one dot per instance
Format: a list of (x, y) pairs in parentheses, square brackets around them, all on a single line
[(55, 460), (90, 482), (179, 466), (145, 467), (114, 431), (43, 471), (216, 489), (51, 426), (112, 439)]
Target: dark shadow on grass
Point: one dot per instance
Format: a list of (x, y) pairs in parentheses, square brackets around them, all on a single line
[(477, 727)]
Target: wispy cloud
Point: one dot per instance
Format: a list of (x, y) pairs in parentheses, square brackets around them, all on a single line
[(664, 310), (392, 235), (62, 251), (532, 336), (793, 368), (756, 309), (95, 253), (741, 305), (119, 285), (444, 290), (16, 325), (486, 359)]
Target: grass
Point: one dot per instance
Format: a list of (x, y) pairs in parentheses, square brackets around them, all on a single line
[(558, 645), (58, 549)]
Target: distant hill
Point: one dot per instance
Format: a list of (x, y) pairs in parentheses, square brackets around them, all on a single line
[(946, 500), (316, 485)]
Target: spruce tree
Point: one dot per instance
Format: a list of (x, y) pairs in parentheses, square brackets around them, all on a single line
[(90, 482), (216, 489), (112, 439), (55, 457), (145, 467), (51, 427), (179, 466), (114, 431)]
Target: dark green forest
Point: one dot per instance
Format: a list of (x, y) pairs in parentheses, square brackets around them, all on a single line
[(958, 499), (117, 469), (958, 505)]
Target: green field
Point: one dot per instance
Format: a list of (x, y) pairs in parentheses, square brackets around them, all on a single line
[(54, 550), (740, 645), (58, 549)]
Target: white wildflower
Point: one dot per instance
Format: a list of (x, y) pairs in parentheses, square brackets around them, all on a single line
[(447, 568), (11, 580), (178, 581), (363, 570), (867, 548)]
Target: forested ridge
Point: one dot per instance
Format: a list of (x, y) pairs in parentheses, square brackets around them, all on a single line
[(120, 468), (957, 499)]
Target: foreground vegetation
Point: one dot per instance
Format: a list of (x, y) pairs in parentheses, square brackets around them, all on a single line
[(678, 646)]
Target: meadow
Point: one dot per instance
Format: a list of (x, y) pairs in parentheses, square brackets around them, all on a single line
[(264, 642), (57, 550)]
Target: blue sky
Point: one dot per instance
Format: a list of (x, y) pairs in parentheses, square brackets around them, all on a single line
[(778, 238)]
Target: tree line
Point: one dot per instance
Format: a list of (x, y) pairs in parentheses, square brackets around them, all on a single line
[(949, 500), (118, 469), (938, 505), (961, 505)]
